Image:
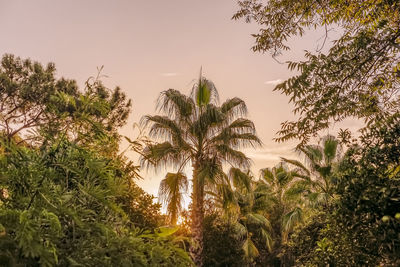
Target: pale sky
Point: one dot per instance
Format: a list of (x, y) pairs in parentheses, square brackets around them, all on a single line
[(149, 46)]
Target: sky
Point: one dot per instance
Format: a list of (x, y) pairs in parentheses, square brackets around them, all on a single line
[(150, 46)]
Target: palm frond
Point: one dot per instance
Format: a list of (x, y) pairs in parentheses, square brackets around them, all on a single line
[(330, 146), (240, 230), (162, 155), (267, 238), (313, 154), (227, 194), (291, 218), (174, 104), (283, 175), (250, 250), (233, 156), (316, 199), (171, 191), (268, 175), (204, 92), (164, 128), (234, 107), (257, 220), (297, 190), (241, 125), (297, 164), (237, 140), (239, 178), (210, 171), (211, 116)]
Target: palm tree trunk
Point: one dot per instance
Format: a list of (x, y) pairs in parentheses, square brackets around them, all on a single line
[(174, 218), (196, 250)]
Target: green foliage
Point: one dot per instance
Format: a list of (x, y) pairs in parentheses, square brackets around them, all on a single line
[(141, 208), (358, 76), (252, 223), (63, 208), (317, 174), (361, 227), (171, 191), (67, 197), (221, 245), (204, 91), (244, 203), (303, 244), (369, 189), (285, 209), (36, 106)]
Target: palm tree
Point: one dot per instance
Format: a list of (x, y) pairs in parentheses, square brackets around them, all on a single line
[(252, 200), (194, 130), (287, 192), (320, 163), (286, 195), (171, 191), (243, 201)]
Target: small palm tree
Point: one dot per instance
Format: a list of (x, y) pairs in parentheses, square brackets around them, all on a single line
[(195, 131), (171, 191), (286, 198), (321, 161), (243, 202), (287, 194)]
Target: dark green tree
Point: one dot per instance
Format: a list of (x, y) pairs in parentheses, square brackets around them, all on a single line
[(36, 105), (361, 226), (221, 244), (67, 196), (65, 205), (358, 77), (368, 209)]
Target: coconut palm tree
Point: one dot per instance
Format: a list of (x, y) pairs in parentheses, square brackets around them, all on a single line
[(194, 130), (320, 162), (171, 191)]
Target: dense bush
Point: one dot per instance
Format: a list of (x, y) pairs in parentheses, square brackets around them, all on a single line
[(60, 206), (67, 197), (362, 227), (221, 245)]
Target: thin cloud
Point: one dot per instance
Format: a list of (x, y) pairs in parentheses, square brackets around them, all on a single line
[(169, 74), (272, 153), (273, 82)]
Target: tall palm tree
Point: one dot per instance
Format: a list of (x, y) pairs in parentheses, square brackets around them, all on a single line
[(171, 191), (320, 162), (194, 130)]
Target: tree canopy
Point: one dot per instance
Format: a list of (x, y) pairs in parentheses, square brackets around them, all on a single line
[(68, 197), (36, 105), (358, 77)]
